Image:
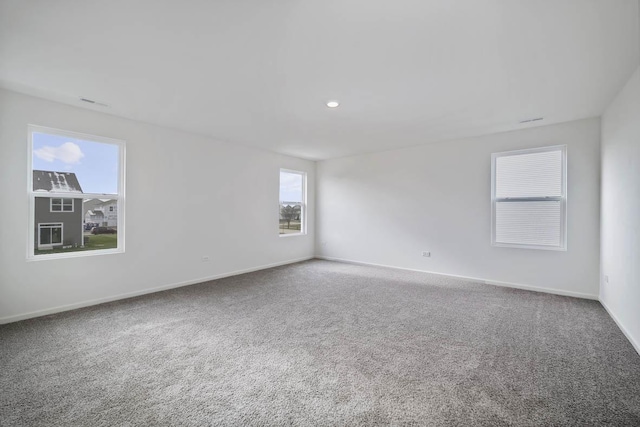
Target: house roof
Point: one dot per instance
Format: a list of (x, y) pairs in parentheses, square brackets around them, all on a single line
[(56, 182)]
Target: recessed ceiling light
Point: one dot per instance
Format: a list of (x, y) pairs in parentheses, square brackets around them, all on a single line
[(332, 104)]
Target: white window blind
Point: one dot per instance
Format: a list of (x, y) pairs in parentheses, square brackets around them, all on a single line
[(529, 198)]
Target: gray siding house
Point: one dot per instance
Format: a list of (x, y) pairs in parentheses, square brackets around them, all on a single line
[(58, 221)]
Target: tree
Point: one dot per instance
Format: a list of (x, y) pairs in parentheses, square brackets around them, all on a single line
[(288, 213)]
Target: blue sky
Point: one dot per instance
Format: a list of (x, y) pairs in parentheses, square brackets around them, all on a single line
[(95, 164)]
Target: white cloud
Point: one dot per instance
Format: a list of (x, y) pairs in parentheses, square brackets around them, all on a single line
[(68, 153)]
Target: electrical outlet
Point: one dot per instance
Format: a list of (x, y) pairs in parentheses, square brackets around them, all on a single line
[(206, 258), (426, 254)]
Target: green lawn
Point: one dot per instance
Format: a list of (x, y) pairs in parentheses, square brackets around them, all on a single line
[(92, 243), (293, 228)]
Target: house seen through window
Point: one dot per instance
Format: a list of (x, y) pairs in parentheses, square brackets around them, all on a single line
[(76, 197), (292, 202)]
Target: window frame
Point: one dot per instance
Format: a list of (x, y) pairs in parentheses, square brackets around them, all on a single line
[(562, 199), (62, 199), (303, 204), (32, 195)]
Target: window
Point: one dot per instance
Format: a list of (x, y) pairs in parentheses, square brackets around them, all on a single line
[(49, 235), (61, 205), (292, 202), (76, 194), (529, 198)]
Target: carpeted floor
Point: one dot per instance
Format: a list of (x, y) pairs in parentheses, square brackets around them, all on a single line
[(323, 343)]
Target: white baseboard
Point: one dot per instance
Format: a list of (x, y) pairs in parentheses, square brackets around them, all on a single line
[(475, 279), (624, 330), (53, 310)]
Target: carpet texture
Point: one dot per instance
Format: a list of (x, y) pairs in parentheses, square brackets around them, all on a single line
[(323, 343)]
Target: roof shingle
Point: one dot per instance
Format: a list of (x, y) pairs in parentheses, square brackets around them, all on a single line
[(55, 182)]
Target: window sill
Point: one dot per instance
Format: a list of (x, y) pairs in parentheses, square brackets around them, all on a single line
[(79, 254), (543, 248), (292, 235)]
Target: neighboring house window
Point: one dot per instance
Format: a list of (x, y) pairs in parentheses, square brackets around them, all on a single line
[(292, 202), (529, 198), (73, 178), (61, 205), (50, 235)]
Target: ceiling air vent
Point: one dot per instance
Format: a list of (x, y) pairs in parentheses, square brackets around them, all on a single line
[(532, 120), (91, 101)]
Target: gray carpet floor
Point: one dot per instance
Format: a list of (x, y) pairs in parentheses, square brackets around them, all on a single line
[(323, 343)]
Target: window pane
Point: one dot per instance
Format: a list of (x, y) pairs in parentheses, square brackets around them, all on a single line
[(290, 218), (92, 224), (56, 235), (529, 223), (72, 165), (291, 187), (45, 235), (529, 175)]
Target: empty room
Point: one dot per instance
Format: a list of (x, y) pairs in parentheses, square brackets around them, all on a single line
[(320, 213)]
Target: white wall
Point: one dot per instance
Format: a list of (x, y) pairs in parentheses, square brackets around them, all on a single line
[(620, 231), (187, 196), (387, 207)]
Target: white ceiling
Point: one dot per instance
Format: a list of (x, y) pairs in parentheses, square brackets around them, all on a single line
[(258, 72)]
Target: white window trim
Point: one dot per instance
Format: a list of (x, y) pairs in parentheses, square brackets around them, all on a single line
[(303, 204), (562, 199), (120, 197), (50, 225), (73, 203)]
